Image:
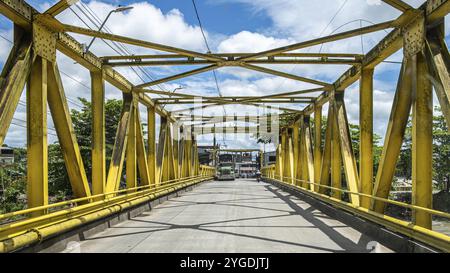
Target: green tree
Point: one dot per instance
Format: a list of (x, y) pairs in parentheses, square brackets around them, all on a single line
[(441, 151)]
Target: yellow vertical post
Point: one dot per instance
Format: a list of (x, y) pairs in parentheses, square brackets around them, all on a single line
[(37, 169), (151, 140), (422, 140), (131, 172), (283, 154), (309, 157), (176, 150), (317, 142), (161, 150), (295, 144), (120, 143), (98, 132), (12, 81), (366, 135)]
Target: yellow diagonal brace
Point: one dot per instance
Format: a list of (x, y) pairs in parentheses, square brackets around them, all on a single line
[(12, 84), (63, 123), (327, 151), (120, 144), (394, 136), (131, 168), (142, 161), (309, 153), (348, 157)]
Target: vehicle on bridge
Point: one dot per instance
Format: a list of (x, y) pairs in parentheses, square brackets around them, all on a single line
[(225, 172)]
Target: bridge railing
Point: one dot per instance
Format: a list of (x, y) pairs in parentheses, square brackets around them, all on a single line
[(21, 228), (334, 196)]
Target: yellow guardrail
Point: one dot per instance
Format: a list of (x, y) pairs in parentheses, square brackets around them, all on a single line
[(436, 239), (19, 233)]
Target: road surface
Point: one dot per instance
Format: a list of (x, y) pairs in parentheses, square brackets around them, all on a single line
[(231, 216)]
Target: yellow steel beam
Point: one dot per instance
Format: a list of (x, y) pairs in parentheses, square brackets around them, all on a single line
[(161, 150), (98, 132), (270, 61), (326, 39), (327, 151), (309, 152), (336, 159), (141, 154), (422, 142), (37, 151), (366, 135), (278, 101), (231, 56), (296, 148), (66, 134), (439, 64), (178, 76), (60, 27), (348, 157), (283, 74), (393, 139), (151, 140), (176, 152), (398, 4), (131, 160), (317, 142), (12, 82), (120, 144), (60, 6), (284, 145)]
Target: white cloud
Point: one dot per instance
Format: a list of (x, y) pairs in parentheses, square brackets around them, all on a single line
[(246, 41)]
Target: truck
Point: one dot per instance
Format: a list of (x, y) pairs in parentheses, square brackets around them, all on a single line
[(225, 172)]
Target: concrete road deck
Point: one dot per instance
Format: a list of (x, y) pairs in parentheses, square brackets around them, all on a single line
[(231, 216)]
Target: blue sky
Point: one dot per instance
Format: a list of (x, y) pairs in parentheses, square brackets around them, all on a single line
[(231, 26)]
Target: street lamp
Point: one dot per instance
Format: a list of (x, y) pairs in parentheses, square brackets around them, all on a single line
[(119, 9)]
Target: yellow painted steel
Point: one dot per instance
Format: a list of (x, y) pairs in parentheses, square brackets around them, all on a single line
[(317, 142), (98, 132), (422, 141), (393, 140), (37, 151), (54, 224), (335, 158), (12, 82), (309, 152), (151, 140), (66, 136), (131, 161), (296, 148), (120, 144), (348, 157), (327, 151), (141, 154), (366, 135)]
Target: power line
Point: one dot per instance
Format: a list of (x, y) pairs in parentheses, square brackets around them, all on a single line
[(121, 47), (208, 48)]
